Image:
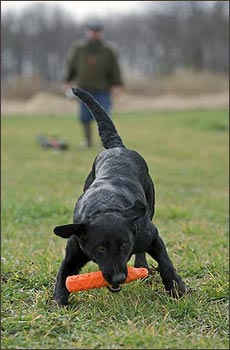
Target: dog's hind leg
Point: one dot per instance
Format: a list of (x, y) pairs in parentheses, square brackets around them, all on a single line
[(74, 260), (172, 281), (140, 260)]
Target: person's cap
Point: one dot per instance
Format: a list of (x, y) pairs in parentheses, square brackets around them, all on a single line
[(96, 26)]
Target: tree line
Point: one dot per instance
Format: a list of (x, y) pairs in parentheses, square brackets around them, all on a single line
[(180, 34)]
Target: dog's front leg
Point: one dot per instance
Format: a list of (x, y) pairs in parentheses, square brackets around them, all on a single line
[(172, 281), (74, 260), (140, 260)]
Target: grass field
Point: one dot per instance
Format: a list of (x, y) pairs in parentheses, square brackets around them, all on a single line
[(187, 154)]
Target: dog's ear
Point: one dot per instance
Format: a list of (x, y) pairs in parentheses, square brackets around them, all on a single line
[(66, 231), (137, 210)]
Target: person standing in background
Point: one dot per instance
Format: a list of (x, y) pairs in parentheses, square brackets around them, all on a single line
[(93, 66)]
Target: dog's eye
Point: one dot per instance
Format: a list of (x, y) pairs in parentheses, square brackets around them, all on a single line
[(100, 248), (123, 245)]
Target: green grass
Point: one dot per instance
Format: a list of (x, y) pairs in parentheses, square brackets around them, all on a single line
[(187, 154)]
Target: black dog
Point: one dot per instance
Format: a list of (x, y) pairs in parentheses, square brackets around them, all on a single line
[(113, 217)]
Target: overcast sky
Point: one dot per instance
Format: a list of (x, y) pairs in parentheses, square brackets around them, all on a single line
[(82, 9)]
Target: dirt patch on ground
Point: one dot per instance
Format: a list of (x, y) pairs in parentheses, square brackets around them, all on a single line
[(129, 103), (50, 104)]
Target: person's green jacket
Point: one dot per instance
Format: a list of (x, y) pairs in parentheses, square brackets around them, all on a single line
[(93, 66)]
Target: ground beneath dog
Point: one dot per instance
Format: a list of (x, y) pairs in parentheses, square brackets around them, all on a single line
[(44, 103)]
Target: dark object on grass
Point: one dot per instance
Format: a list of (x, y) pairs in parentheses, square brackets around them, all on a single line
[(53, 142)]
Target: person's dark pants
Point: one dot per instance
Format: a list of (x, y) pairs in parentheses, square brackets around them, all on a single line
[(86, 118)]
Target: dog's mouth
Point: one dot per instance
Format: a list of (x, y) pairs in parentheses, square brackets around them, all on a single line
[(115, 288)]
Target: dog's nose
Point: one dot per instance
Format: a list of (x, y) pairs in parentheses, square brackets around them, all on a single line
[(118, 279)]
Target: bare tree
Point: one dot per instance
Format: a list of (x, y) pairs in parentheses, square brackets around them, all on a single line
[(179, 34)]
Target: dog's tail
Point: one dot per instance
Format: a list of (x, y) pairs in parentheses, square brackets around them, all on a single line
[(106, 128)]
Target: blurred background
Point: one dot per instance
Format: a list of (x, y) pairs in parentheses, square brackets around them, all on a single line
[(173, 54)]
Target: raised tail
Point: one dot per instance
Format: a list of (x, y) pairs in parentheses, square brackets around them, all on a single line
[(106, 128)]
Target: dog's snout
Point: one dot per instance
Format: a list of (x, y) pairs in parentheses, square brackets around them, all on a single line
[(118, 279)]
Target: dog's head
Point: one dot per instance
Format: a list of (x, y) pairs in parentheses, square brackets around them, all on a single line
[(107, 239)]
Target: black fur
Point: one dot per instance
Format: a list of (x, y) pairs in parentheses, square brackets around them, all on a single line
[(113, 216)]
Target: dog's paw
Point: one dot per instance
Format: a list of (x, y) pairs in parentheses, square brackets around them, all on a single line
[(179, 289), (60, 303)]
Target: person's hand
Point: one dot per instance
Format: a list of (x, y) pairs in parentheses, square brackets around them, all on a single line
[(66, 87), (115, 90)]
